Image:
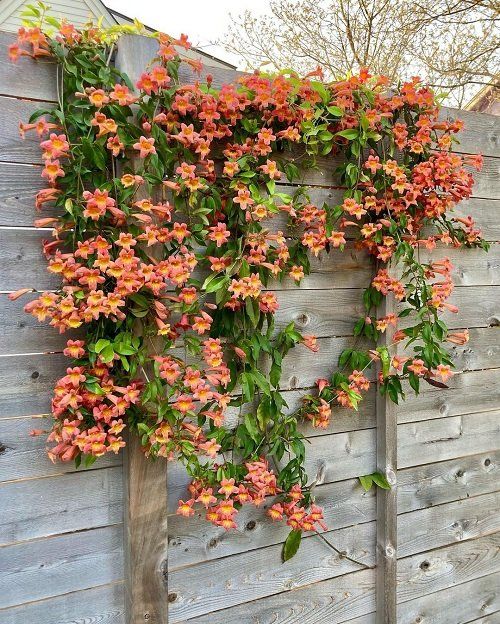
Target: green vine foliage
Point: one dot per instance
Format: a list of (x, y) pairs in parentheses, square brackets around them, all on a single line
[(173, 226)]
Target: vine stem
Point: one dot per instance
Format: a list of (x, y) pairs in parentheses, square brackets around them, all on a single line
[(343, 554)]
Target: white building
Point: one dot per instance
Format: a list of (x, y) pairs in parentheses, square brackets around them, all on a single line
[(78, 12)]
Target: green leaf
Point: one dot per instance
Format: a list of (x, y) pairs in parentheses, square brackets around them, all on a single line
[(380, 480), (349, 134), (252, 310), (107, 354), (101, 344), (124, 349), (215, 282), (366, 481), (251, 427), (335, 110), (291, 545)]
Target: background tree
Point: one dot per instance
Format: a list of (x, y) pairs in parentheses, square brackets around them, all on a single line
[(452, 44)]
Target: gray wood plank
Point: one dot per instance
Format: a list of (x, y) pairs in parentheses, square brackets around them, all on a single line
[(465, 394), (100, 605), (23, 333), (481, 133), (329, 458), (13, 149), (258, 573), (332, 601), (469, 519), (422, 575), (57, 565), (23, 456), (36, 508), (38, 77), (455, 479), (455, 436), (25, 266), (455, 605), (18, 187), (28, 383), (193, 540), (242, 578)]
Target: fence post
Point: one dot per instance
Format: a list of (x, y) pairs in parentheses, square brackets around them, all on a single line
[(386, 575), (145, 481)]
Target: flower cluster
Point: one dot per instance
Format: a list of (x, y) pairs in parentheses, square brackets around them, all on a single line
[(167, 250)]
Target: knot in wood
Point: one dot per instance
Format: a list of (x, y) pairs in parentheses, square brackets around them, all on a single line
[(303, 319), (390, 551)]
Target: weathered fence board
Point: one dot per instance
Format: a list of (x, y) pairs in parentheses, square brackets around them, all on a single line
[(440, 569), (100, 604), (455, 436), (451, 522), (460, 604), (40, 569), (34, 508), (24, 456), (451, 480)]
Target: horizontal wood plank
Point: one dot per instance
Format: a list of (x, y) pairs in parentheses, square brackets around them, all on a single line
[(460, 604), (328, 313), (36, 508), (193, 540), (90, 606), (475, 391), (57, 565), (446, 481), (332, 601), (426, 529), (422, 575), (23, 456), (259, 573), (455, 436), (28, 383), (38, 76)]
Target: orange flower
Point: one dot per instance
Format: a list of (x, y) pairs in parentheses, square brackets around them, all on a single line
[(145, 147)]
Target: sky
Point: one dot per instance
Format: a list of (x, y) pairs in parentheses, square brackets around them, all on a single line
[(204, 21)]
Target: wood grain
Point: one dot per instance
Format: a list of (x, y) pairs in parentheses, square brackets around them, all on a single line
[(99, 605), (454, 436), (34, 508), (38, 76), (57, 565), (259, 573), (192, 541), (23, 456), (440, 569), (460, 604), (458, 521), (446, 481), (332, 601)]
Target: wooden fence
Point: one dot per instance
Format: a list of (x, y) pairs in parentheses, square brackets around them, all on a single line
[(61, 531)]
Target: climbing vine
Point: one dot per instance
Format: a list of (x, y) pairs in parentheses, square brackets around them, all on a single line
[(173, 226)]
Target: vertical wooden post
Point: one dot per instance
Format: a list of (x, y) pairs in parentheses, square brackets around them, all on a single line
[(145, 481), (386, 579)]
